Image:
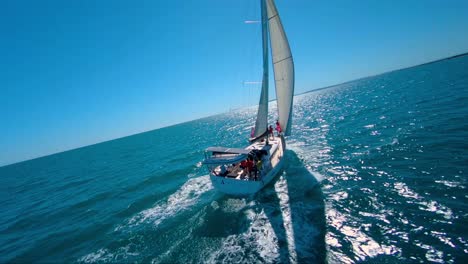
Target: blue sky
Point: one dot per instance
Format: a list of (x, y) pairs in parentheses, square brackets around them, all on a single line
[(74, 73)]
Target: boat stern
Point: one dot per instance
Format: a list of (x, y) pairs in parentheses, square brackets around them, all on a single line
[(236, 187)]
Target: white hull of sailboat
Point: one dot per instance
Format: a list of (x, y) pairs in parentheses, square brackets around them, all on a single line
[(243, 186)]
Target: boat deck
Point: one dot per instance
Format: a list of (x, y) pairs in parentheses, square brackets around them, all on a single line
[(275, 151)]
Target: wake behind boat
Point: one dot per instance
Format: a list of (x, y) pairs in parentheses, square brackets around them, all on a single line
[(246, 171)]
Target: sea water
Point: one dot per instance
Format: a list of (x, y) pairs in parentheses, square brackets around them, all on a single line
[(375, 172)]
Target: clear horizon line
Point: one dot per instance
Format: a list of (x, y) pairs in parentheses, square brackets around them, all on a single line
[(224, 111)]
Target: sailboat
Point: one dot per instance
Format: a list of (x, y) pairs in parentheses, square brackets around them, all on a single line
[(238, 171)]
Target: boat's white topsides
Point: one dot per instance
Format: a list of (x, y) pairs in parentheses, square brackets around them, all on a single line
[(237, 180)]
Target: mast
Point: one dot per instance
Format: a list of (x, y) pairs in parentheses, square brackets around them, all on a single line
[(261, 125), (265, 53)]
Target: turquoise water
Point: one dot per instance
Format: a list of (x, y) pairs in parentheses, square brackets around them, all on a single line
[(376, 172)]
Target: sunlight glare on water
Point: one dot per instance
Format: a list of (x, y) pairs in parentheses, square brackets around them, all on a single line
[(375, 171)]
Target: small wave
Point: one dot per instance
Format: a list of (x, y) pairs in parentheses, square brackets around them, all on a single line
[(451, 184), (363, 245), (163, 257), (122, 254), (430, 206), (102, 255)]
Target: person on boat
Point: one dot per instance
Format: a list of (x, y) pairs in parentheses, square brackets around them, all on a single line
[(243, 166), (270, 132), (223, 170), (254, 170), (278, 128), (252, 132), (249, 166), (258, 167)]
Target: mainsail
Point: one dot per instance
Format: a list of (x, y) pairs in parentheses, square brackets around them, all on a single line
[(283, 67)]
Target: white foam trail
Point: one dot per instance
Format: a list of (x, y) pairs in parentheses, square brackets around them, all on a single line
[(266, 229), (260, 236), (177, 202), (281, 188), (181, 200)]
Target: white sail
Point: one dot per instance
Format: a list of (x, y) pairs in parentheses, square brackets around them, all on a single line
[(261, 124), (283, 67), (262, 115)]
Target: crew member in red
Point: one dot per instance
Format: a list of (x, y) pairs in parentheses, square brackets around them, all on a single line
[(249, 164), (243, 164), (278, 128)]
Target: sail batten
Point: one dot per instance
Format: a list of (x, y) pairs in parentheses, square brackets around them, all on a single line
[(282, 60)]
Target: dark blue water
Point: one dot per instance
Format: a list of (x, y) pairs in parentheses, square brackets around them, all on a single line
[(376, 172)]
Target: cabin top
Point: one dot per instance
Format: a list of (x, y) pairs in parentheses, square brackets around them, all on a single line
[(222, 150), (222, 155)]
